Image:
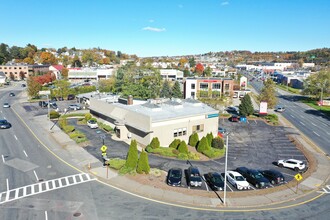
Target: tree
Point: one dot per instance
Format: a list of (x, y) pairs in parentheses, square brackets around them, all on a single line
[(207, 71), (65, 72), (183, 147), (199, 69), (176, 90), (186, 72), (107, 85), (192, 62), (76, 62), (318, 83), (175, 143), (203, 145), (218, 143), (193, 139), (47, 58), (154, 143), (166, 91), (132, 156), (209, 138), (4, 53), (143, 163), (246, 107), (268, 93), (33, 87)]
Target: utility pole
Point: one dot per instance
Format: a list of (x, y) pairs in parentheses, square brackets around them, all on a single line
[(225, 189)]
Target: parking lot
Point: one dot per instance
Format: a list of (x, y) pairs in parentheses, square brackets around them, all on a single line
[(254, 145)]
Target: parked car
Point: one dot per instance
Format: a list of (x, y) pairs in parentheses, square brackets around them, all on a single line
[(274, 176), (241, 96), (11, 94), (43, 104), (4, 124), (194, 177), (254, 177), (23, 85), (237, 180), (215, 181), (6, 105), (92, 123), (235, 95), (74, 107), (71, 97), (294, 164), (174, 177), (234, 118), (221, 131), (232, 109)]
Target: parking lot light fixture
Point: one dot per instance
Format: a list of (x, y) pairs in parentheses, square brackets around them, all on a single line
[(225, 186)]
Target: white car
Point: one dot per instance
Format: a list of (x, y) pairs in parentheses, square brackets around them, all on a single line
[(92, 123), (74, 107), (237, 180), (6, 105), (292, 163)]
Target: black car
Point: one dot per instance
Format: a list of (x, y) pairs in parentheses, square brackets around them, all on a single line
[(43, 104), (23, 85), (4, 124), (71, 97), (174, 177), (274, 176), (254, 177), (215, 181), (194, 177), (11, 94)]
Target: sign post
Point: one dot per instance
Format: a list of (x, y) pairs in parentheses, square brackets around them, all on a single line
[(47, 93), (298, 177)]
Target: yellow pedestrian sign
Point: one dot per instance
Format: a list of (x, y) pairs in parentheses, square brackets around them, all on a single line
[(298, 177), (103, 148)]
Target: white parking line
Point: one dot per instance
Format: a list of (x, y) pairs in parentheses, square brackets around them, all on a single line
[(255, 121), (15, 137), (35, 175), (252, 187), (46, 215), (302, 123), (316, 133), (302, 116), (229, 187), (25, 153), (313, 124), (292, 116), (7, 182), (3, 159)]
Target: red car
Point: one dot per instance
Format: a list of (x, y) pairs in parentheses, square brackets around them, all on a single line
[(234, 118)]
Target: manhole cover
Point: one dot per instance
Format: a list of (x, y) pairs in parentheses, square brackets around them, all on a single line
[(77, 214)]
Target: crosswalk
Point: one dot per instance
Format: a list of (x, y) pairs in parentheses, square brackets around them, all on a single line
[(326, 189), (44, 186)]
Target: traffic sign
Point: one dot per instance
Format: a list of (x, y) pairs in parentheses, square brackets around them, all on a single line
[(298, 177), (103, 148)]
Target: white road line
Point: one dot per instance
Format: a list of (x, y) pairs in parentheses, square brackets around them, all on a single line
[(15, 137), (25, 153), (292, 116), (7, 182), (316, 133), (302, 123), (302, 116), (3, 158), (46, 215), (35, 175), (313, 124)]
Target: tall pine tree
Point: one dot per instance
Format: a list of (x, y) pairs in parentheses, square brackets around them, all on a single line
[(176, 90), (132, 155), (166, 90), (246, 107)]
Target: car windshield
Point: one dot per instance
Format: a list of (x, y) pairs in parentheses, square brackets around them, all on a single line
[(92, 122), (258, 175), (239, 178), (217, 179), (175, 173)]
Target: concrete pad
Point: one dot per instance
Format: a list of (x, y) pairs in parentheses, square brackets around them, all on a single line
[(312, 182), (102, 172)]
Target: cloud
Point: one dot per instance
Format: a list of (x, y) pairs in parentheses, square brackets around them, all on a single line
[(153, 29), (224, 3), (151, 20)]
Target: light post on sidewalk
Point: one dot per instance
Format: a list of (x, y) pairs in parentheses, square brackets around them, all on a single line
[(225, 188)]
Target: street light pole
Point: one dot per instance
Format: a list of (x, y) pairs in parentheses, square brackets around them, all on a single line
[(225, 189)]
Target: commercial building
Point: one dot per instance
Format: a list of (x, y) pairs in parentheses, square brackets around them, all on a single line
[(22, 71), (207, 87), (167, 119), (171, 74), (91, 74)]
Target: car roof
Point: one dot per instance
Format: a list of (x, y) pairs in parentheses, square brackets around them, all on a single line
[(234, 173), (294, 160)]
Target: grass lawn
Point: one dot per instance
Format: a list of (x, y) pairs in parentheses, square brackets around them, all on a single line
[(289, 89), (313, 103)]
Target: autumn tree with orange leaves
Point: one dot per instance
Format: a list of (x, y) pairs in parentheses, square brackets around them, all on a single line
[(199, 69), (47, 58)]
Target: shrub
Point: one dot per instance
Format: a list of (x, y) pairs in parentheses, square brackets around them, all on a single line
[(54, 114), (175, 143), (175, 151), (76, 134), (213, 153), (182, 156), (155, 143), (127, 170), (68, 128), (203, 145), (149, 149), (193, 156), (164, 151), (143, 163), (193, 139), (183, 147), (132, 155), (116, 163), (105, 127), (62, 122), (88, 116), (209, 138), (218, 143)]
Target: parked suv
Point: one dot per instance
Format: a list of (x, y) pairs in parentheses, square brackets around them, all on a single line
[(294, 164), (254, 177), (274, 176), (71, 97), (194, 177)]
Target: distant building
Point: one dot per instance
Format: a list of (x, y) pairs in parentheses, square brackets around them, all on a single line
[(207, 87), (23, 71), (171, 74), (56, 70), (2, 77), (91, 74)]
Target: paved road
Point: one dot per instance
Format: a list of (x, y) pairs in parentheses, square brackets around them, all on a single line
[(312, 123)]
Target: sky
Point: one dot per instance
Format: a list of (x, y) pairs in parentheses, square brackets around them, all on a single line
[(167, 27)]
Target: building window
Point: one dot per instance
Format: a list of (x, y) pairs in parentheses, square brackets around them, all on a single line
[(175, 133), (198, 128), (216, 86), (227, 86), (180, 132), (184, 131), (203, 86), (193, 86), (192, 94), (19, 67)]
